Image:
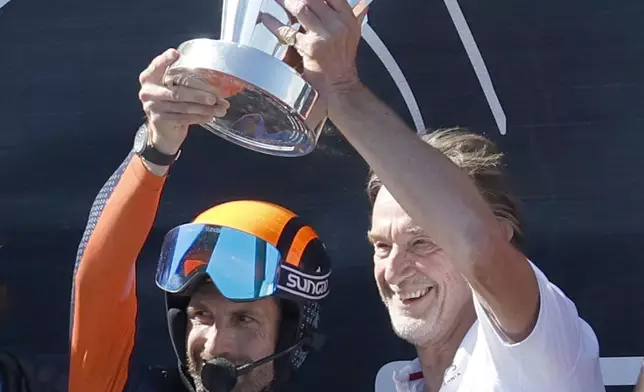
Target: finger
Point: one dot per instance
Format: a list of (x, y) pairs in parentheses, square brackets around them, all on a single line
[(156, 69), (222, 103), (346, 14), (340, 6), (221, 108), (191, 80), (305, 15), (180, 119), (327, 16), (280, 30), (153, 92), (307, 46), (180, 108)]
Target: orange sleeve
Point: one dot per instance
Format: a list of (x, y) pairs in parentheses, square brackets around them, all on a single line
[(104, 305)]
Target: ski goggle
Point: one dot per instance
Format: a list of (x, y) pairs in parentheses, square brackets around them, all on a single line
[(242, 266)]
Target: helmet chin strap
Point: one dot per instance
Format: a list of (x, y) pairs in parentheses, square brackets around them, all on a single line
[(220, 375)]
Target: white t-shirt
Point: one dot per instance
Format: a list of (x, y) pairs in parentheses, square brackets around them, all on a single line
[(560, 355)]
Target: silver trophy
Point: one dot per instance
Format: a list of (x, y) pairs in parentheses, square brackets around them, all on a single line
[(273, 110)]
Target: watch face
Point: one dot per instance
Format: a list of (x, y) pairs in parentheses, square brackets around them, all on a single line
[(140, 140)]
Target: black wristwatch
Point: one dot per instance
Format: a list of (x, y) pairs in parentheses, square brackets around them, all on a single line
[(145, 150)]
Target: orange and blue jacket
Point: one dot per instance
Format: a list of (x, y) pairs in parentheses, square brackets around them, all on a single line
[(104, 301)]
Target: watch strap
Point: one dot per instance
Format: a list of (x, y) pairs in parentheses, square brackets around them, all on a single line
[(148, 152)]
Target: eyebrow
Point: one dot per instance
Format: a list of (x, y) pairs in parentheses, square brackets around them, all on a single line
[(252, 310), (413, 230), (416, 230)]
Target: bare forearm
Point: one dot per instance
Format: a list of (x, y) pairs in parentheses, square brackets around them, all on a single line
[(438, 195)]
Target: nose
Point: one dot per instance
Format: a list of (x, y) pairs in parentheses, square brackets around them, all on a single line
[(398, 267), (220, 342)]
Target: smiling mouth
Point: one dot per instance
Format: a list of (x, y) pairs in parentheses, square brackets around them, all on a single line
[(412, 297)]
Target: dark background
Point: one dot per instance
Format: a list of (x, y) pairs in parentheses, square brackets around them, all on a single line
[(568, 74)]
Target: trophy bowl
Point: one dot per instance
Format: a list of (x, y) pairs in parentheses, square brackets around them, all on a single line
[(270, 103)]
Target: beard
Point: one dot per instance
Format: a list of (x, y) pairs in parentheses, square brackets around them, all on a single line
[(440, 319), (413, 330), (256, 381)]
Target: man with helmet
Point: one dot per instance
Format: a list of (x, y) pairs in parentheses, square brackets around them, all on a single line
[(242, 281)]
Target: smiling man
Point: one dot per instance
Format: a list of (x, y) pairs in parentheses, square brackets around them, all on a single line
[(481, 319)]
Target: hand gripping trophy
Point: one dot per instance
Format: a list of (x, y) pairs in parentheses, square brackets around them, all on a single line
[(273, 110)]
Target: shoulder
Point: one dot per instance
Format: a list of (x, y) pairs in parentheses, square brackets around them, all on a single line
[(559, 342), (557, 315)]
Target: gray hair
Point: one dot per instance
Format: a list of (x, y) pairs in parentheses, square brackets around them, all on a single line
[(480, 159)]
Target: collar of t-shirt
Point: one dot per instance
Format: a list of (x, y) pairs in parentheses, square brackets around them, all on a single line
[(410, 378)]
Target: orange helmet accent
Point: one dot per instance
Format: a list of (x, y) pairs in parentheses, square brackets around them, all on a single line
[(259, 218), (303, 237), (263, 220)]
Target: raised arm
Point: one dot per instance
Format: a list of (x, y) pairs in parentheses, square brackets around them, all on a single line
[(104, 294), (104, 305)]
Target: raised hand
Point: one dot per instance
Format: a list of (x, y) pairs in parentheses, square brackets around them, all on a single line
[(174, 104), (329, 45)]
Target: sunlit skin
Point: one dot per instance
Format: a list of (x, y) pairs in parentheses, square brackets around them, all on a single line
[(238, 331), (429, 302)]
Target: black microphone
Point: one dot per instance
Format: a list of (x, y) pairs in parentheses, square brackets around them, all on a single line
[(220, 375)]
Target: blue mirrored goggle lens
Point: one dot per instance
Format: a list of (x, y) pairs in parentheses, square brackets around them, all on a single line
[(242, 266)]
